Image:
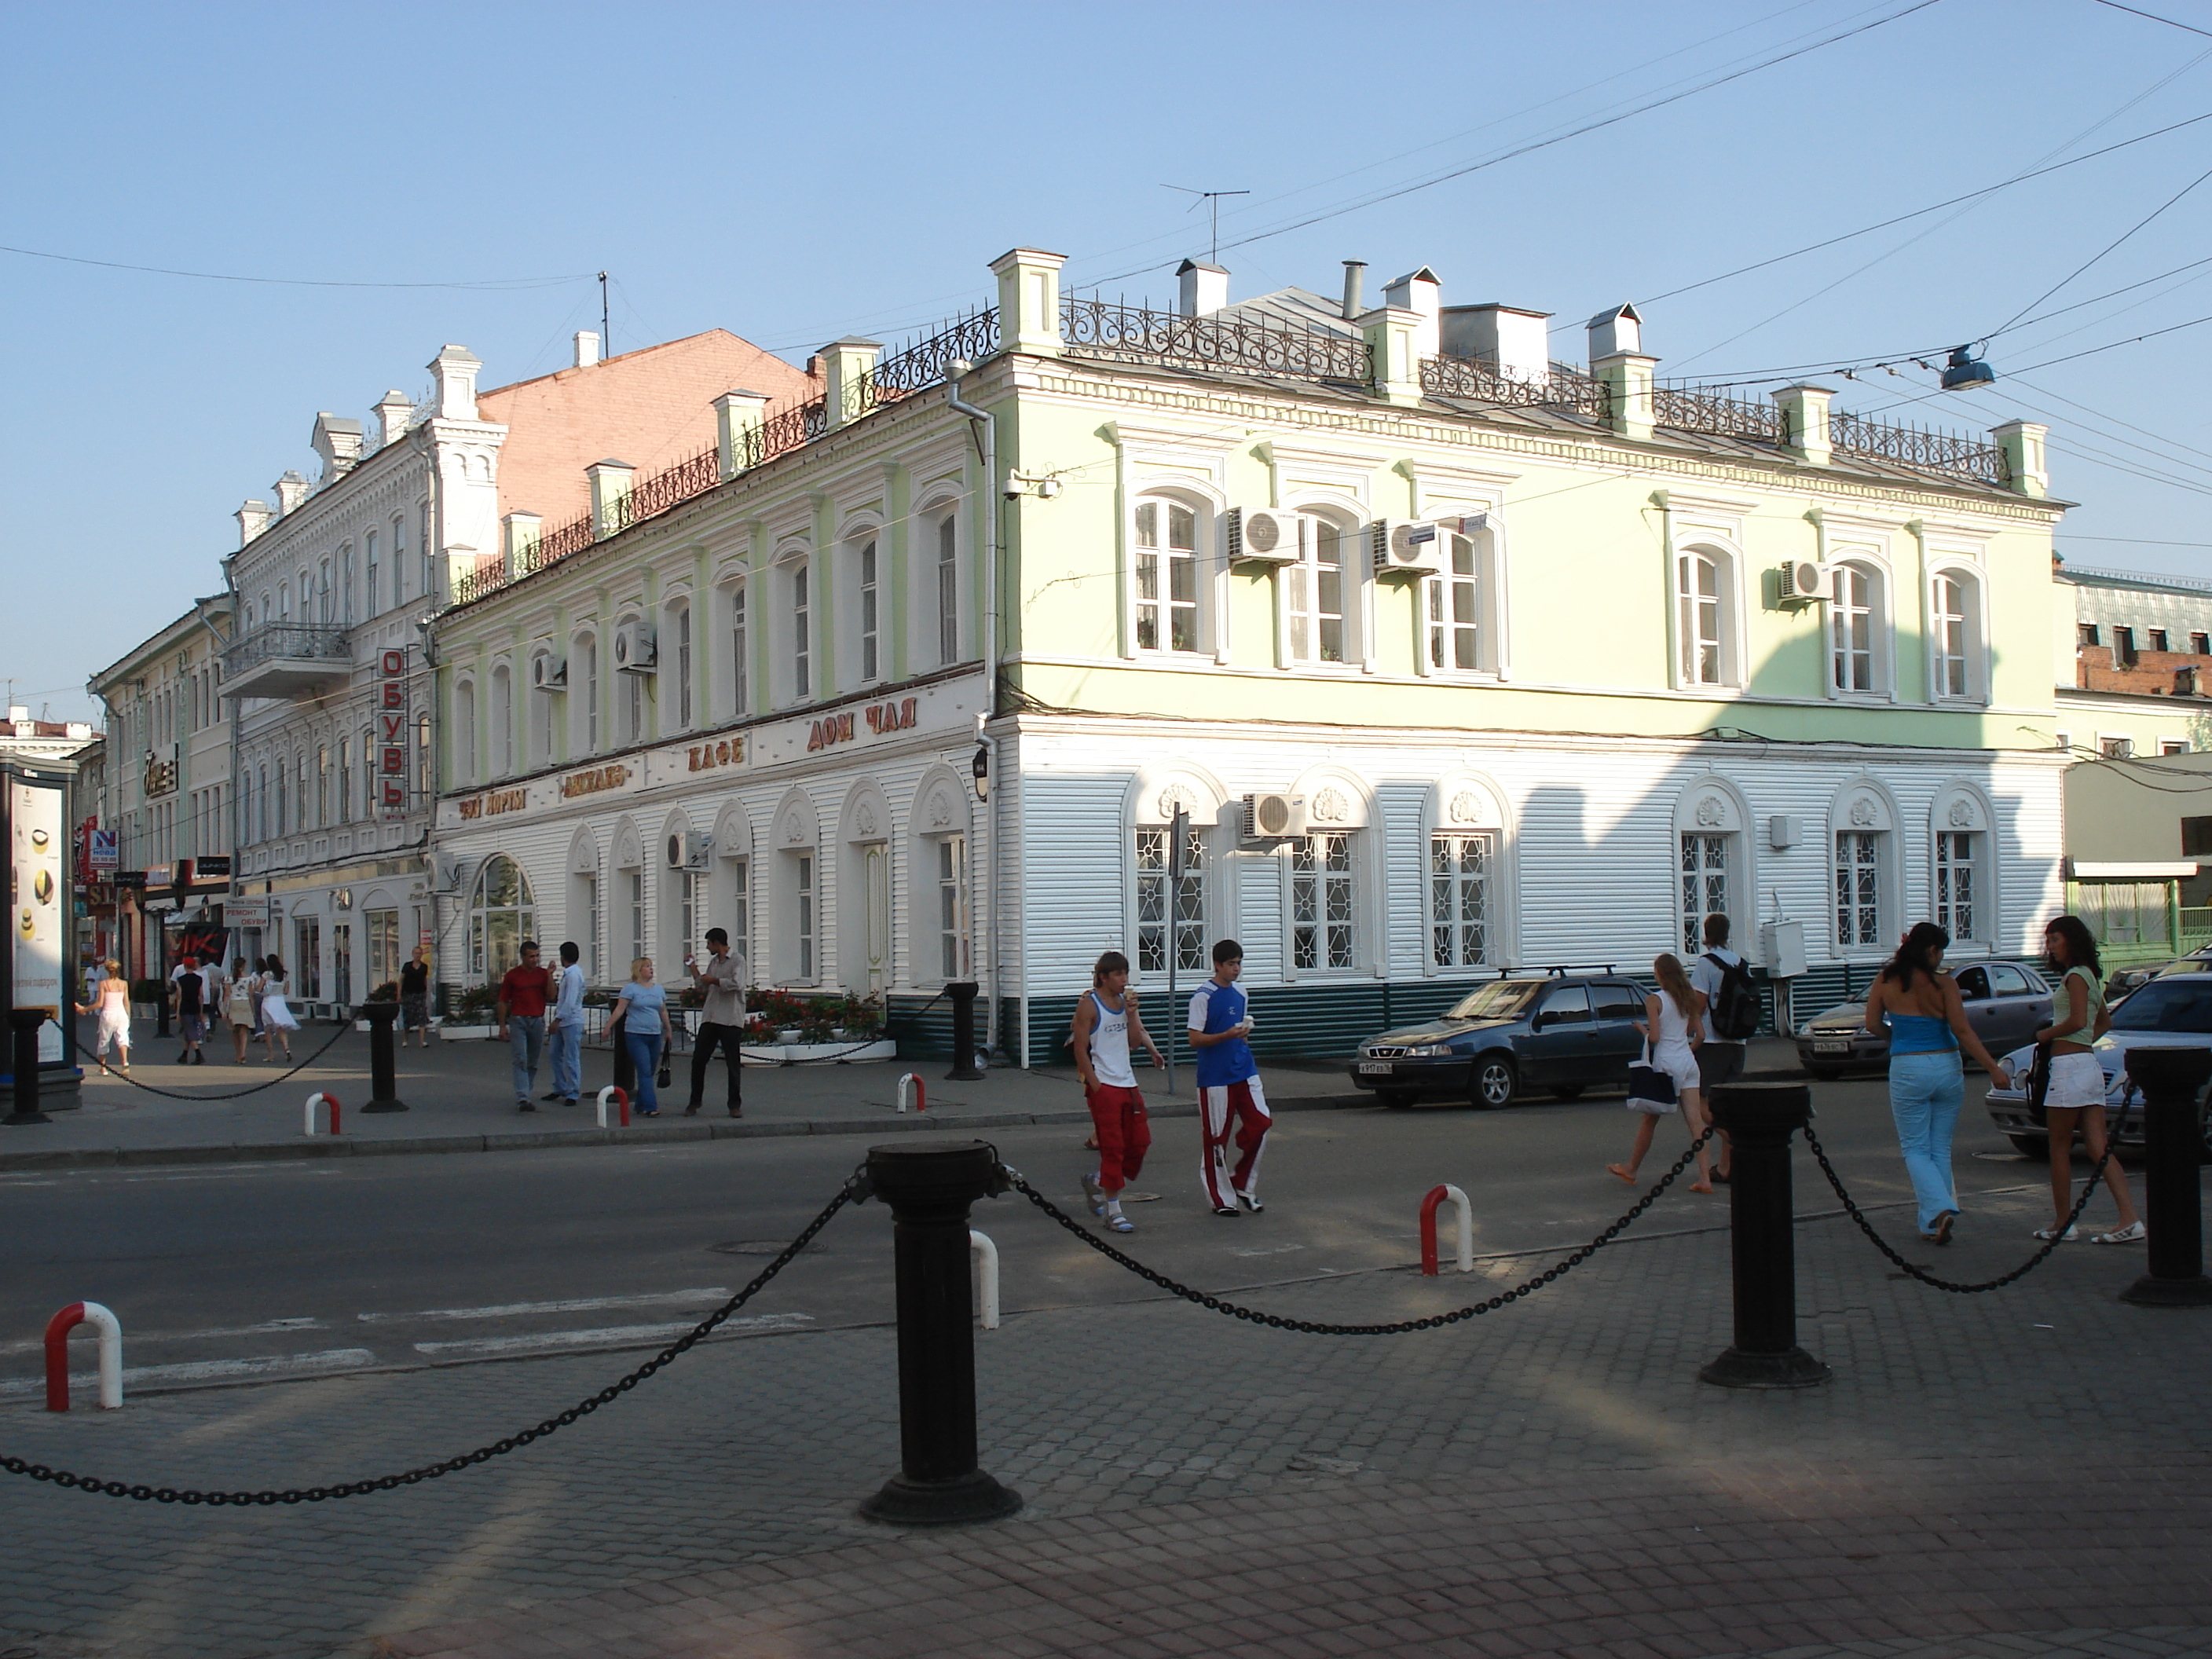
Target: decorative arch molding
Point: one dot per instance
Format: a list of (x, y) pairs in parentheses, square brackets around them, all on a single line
[(379, 898), (866, 815), (1712, 805), (628, 846), (583, 853), (1336, 800), (1464, 800), (1156, 791), (733, 831), (1467, 802), (1865, 802), (942, 803), (860, 524), (795, 825), (677, 822)]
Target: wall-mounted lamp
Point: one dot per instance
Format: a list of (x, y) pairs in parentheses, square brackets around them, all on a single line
[(980, 767)]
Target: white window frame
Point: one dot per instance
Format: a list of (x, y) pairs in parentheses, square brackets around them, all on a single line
[(945, 545), (1859, 890), (1949, 900), (1687, 632), (370, 595), (1445, 936), (1878, 820), (1967, 646), (950, 912), (736, 635), (1149, 914), (584, 675), (1156, 562), (465, 733), (1323, 941), (868, 608), (679, 630), (502, 719), (1880, 633)]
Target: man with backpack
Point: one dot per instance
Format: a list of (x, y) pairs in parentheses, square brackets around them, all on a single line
[(1732, 1014)]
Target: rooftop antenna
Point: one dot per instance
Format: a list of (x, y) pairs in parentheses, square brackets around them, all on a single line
[(606, 332), (1212, 198)]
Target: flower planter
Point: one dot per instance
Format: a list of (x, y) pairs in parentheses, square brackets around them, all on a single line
[(779, 1053), (467, 1033)]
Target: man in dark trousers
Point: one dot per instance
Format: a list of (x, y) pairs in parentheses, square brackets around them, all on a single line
[(190, 991), (722, 1022)]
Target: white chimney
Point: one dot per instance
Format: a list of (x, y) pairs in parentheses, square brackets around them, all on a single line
[(1205, 289), (291, 490), (1615, 333), (337, 440), (587, 347), (393, 412), (252, 519), (1420, 293), (18, 713), (455, 370), (1513, 340)]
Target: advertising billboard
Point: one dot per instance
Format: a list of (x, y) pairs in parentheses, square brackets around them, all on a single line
[(39, 910)]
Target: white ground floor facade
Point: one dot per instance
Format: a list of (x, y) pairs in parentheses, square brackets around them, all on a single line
[(847, 849)]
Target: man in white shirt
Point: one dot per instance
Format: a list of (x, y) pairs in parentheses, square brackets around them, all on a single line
[(564, 1035), (722, 1022), (1720, 1059)]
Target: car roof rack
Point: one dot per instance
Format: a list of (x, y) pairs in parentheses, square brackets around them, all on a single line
[(1566, 968)]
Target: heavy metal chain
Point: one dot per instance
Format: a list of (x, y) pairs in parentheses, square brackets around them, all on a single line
[(853, 1189), (235, 1094), (1851, 1209), (1315, 1328)]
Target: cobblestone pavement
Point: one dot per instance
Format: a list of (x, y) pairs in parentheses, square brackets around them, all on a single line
[(2018, 1473)]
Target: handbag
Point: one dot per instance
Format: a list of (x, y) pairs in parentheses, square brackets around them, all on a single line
[(2039, 1085), (664, 1078), (1650, 1088)]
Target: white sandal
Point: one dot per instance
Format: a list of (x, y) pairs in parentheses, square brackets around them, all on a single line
[(2047, 1233), (2133, 1233)]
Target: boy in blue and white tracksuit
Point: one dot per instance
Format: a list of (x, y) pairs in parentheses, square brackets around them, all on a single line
[(1228, 1092)]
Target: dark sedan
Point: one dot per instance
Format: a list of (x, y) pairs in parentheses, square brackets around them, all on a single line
[(1560, 1032), (2005, 1004)]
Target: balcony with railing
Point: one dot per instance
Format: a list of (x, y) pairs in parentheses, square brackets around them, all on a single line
[(286, 660)]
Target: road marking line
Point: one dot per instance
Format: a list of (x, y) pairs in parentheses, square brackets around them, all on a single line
[(202, 1370), (611, 1333), (710, 1293), (189, 1336)]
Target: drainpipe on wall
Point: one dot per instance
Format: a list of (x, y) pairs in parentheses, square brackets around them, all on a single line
[(985, 428)]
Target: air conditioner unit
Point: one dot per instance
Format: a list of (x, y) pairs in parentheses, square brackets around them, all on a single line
[(1421, 548), (549, 673), (689, 850), (634, 648), (1275, 818), (1263, 536), (1803, 582)]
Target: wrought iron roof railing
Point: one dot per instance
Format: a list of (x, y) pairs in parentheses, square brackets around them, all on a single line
[(789, 429), (1105, 328), (279, 639), (1693, 408), (1483, 381), (912, 368), (1915, 446)]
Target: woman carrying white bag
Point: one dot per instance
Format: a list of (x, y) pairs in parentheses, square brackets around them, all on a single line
[(1673, 1025)]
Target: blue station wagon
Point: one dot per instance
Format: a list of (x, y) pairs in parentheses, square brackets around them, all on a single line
[(1559, 1032)]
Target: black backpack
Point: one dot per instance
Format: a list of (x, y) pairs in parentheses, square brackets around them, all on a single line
[(1735, 1011)]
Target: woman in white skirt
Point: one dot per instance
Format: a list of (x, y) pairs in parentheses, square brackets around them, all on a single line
[(2076, 1095), (1674, 1024), (111, 1001), (277, 1020)]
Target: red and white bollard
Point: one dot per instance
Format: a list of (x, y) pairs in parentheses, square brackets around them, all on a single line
[(317, 1099), (920, 1094), (1451, 1194), (110, 1354), (620, 1099), (986, 1256)]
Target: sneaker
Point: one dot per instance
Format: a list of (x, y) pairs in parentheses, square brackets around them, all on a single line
[(568, 1100), (2046, 1234), (1094, 1195), (1229, 1210), (1251, 1202), (2135, 1233), (525, 1106)]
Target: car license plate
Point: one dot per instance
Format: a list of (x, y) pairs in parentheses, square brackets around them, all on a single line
[(1832, 1047), (1374, 1068)]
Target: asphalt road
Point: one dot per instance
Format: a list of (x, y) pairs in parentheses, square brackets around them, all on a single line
[(227, 1273)]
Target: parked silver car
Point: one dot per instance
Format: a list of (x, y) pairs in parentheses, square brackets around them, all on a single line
[(2174, 1010), (2006, 1005)]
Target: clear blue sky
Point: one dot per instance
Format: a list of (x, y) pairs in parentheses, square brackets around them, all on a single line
[(798, 173)]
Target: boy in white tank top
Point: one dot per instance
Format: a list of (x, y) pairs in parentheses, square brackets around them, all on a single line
[(1106, 1024)]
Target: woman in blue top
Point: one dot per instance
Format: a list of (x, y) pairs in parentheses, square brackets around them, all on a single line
[(643, 1008), (1927, 1086)]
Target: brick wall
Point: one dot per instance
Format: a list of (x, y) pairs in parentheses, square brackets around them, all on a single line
[(2150, 673)]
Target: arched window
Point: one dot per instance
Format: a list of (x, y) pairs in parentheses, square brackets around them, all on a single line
[(1318, 594), (1165, 540), (1862, 832), (1954, 616), (946, 584), (679, 632), (1855, 629), (375, 594), (866, 569), (345, 780), (1713, 861), (465, 733), (741, 656), (584, 675), (503, 720), (502, 915), (1703, 617), (398, 557)]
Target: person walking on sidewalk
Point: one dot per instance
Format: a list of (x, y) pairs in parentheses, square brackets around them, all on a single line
[(523, 996), (1106, 1023), (722, 1022), (278, 1022), (414, 996), (1674, 1028), (1731, 1016), (643, 1008), (111, 1001), (1927, 1084), (564, 1028), (2075, 1097), (188, 991), (238, 1009), (1228, 1092)]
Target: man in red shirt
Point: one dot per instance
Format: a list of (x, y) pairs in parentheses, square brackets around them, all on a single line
[(523, 995)]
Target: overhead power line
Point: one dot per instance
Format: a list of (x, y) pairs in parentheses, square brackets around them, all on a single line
[(2155, 18), (2101, 252), (492, 283)]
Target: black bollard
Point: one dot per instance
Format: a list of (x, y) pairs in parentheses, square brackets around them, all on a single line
[(928, 1190), (1761, 1119), (625, 1076), (26, 1023), (383, 1074), (2173, 1204), (963, 992)]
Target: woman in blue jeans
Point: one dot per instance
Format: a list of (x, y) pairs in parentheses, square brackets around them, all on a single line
[(643, 1010), (1927, 1086)]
